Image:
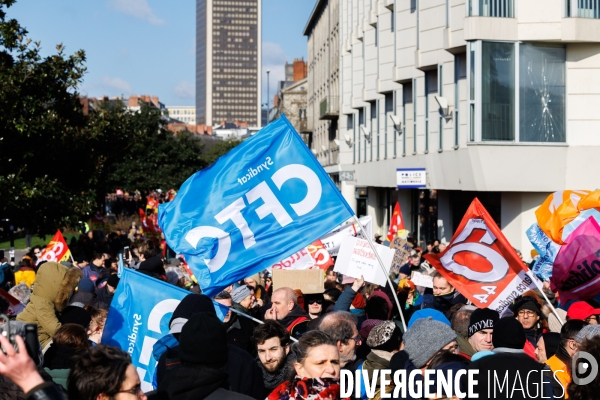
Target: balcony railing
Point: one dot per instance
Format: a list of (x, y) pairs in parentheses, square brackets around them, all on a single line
[(329, 108), (492, 8), (583, 8)]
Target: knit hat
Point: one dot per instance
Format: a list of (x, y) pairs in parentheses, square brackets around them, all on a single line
[(203, 341), (75, 315), (406, 285), (482, 318), (581, 310), (240, 293), (527, 303), (509, 333), (191, 304), (113, 281), (386, 336), (425, 338), (86, 285), (428, 313), (405, 269), (588, 332)]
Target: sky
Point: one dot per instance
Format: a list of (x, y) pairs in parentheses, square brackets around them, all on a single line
[(148, 46)]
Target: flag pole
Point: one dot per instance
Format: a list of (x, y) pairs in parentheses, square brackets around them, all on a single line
[(535, 281), (253, 319), (387, 275)]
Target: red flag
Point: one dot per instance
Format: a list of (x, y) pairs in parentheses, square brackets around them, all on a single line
[(396, 223), (482, 263), (320, 254), (57, 250)]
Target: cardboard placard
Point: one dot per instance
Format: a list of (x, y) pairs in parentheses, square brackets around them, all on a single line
[(420, 279), (356, 258), (402, 251), (307, 280)]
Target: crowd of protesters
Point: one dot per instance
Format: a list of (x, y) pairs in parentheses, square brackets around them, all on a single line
[(295, 344)]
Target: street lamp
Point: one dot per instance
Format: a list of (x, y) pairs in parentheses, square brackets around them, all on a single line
[(268, 98)]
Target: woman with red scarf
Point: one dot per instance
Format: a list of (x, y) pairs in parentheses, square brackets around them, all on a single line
[(316, 370)]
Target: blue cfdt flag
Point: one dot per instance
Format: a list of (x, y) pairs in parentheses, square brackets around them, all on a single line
[(263, 201)]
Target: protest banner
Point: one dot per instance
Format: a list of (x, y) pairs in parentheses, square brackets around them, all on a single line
[(57, 250), (319, 253), (396, 223), (402, 251), (481, 264), (357, 259), (315, 256), (333, 240), (300, 260), (14, 305), (546, 249), (135, 326), (576, 273), (420, 279), (308, 280), (559, 209), (266, 199)]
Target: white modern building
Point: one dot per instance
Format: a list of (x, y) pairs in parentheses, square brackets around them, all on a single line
[(185, 114), (494, 99)]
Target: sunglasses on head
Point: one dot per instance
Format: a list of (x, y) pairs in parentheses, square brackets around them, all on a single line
[(318, 301)]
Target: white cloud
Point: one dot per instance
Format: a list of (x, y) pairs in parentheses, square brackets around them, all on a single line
[(184, 90), (136, 8), (117, 85)]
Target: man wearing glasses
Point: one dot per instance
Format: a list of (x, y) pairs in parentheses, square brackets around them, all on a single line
[(341, 326), (528, 311)]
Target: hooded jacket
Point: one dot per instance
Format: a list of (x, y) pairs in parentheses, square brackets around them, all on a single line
[(51, 293), (296, 329)]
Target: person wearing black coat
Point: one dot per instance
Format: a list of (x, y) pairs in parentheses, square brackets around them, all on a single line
[(204, 353), (525, 378)]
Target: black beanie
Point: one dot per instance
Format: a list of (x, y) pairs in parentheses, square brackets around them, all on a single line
[(482, 318), (75, 315), (190, 305), (203, 341), (551, 343), (528, 303), (509, 333), (113, 281)]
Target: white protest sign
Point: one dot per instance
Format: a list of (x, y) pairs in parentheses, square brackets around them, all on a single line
[(333, 240), (420, 279), (356, 258), (300, 260)]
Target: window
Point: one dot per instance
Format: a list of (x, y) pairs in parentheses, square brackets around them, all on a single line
[(374, 131), (441, 116), (431, 83), (414, 101), (460, 72), (407, 98), (521, 90), (541, 93), (393, 20), (491, 8), (389, 110), (498, 91)]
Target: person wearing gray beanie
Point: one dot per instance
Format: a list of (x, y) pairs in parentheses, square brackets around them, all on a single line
[(427, 337), (587, 332), (238, 295)]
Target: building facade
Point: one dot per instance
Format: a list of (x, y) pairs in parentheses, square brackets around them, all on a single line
[(185, 114), (492, 98), (228, 61), (323, 33)]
